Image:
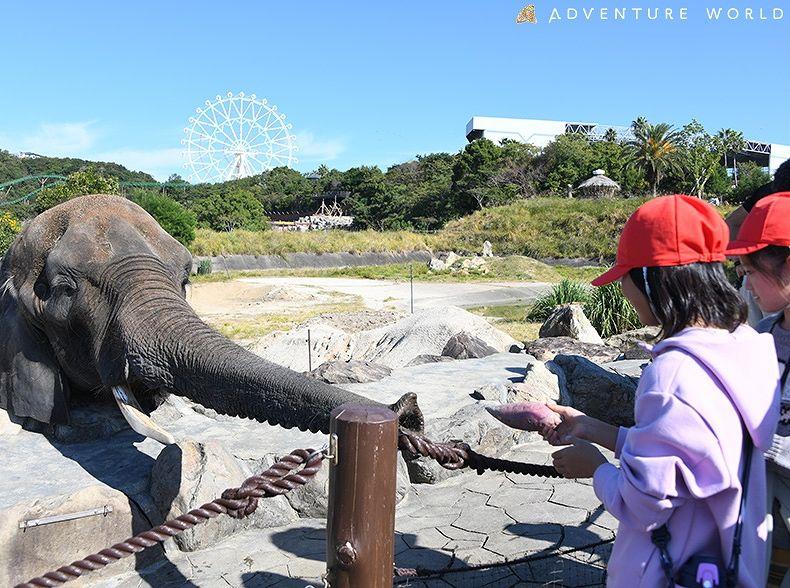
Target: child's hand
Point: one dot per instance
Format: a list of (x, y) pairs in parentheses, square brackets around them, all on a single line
[(574, 424), (580, 460)]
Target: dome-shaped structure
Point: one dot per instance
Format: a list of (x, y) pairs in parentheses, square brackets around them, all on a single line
[(598, 186)]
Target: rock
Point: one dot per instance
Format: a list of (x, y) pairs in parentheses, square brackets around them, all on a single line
[(627, 367), (516, 348), (28, 553), (474, 264), (327, 343), (599, 392), (495, 392), (350, 372), (425, 358), (465, 346), (569, 320), (436, 265), (629, 342), (548, 348), (542, 383), (7, 426), (488, 250), (189, 474), (98, 420), (471, 424), (451, 259), (312, 499)]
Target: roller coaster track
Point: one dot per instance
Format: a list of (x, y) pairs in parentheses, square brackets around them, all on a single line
[(7, 198)]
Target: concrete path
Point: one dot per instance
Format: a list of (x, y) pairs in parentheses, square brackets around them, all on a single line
[(457, 526), (379, 294)]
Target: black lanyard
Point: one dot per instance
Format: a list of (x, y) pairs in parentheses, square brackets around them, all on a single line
[(783, 379)]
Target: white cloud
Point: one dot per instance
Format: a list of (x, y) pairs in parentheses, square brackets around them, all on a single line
[(314, 149), (59, 139)]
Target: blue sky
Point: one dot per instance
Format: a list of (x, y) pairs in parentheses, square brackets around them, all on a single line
[(373, 82)]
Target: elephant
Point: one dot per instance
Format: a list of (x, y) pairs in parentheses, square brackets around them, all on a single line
[(93, 303)]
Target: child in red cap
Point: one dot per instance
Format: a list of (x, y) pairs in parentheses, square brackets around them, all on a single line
[(763, 245), (702, 420)]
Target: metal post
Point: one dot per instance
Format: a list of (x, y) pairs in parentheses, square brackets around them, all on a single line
[(309, 352), (411, 285), (361, 518)]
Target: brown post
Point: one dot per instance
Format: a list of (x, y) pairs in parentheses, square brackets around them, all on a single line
[(361, 518)]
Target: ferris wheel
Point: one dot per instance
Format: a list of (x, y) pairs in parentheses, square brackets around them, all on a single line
[(235, 136)]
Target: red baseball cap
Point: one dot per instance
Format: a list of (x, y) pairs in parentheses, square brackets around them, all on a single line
[(768, 223), (670, 230)]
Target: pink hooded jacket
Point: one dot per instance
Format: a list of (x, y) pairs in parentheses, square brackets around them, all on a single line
[(680, 463)]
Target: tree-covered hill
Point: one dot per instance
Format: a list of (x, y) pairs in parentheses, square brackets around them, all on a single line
[(13, 167)]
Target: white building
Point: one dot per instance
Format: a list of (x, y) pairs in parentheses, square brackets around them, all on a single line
[(541, 132)]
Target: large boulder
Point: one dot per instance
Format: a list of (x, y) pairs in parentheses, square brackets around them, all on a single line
[(543, 382), (189, 474), (350, 372), (546, 349), (290, 349), (569, 320), (630, 342), (599, 392), (466, 346)]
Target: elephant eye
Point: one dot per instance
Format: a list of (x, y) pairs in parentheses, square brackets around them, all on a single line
[(64, 285)]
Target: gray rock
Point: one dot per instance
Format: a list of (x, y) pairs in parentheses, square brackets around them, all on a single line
[(542, 383), (350, 372), (427, 358), (488, 250), (599, 392), (629, 342), (495, 392), (569, 320), (472, 424), (466, 346), (546, 349), (436, 265), (189, 474), (627, 367)]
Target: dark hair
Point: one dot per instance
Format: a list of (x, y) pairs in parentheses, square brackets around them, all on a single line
[(781, 182), (769, 260), (683, 295)]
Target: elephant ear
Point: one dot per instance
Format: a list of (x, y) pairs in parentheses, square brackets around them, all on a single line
[(31, 382)]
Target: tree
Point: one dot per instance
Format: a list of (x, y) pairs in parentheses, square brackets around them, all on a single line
[(699, 154), (752, 177), (568, 160), (472, 175), (9, 228), (654, 150), (173, 218), (731, 142), (81, 183), (371, 204), (237, 209)]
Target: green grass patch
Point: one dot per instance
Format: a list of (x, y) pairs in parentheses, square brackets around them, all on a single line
[(610, 312), (511, 319), (565, 292)]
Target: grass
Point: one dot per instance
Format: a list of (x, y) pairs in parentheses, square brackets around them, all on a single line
[(253, 327), (565, 292), (510, 319), (610, 312)]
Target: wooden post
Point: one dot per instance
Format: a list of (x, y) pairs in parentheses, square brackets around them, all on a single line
[(361, 518)]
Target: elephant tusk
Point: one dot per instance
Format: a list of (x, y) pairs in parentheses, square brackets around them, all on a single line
[(137, 419)]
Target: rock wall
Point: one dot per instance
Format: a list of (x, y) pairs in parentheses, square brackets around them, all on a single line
[(310, 260)]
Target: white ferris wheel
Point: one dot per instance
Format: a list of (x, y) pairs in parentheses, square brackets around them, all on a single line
[(235, 136)]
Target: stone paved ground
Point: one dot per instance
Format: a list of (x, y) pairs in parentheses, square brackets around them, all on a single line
[(463, 522)]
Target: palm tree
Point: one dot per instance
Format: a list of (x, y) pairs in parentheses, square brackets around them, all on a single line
[(731, 142), (654, 149)]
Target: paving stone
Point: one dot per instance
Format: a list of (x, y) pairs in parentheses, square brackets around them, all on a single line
[(485, 519), (458, 545), (576, 495), (426, 538), (477, 556), (409, 524), (513, 546), (488, 483), (604, 519), (585, 535), (424, 558), (517, 495), (454, 532), (546, 512)]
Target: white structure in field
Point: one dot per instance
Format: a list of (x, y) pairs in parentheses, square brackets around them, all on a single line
[(541, 132)]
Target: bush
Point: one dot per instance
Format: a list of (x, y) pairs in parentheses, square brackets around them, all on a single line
[(565, 292), (238, 209), (81, 183), (9, 228), (204, 267), (610, 312), (174, 218)]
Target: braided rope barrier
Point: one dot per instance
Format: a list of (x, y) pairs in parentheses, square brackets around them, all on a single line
[(455, 455), (237, 502)]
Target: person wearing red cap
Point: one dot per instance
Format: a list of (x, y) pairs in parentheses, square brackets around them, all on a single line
[(763, 245), (702, 421)]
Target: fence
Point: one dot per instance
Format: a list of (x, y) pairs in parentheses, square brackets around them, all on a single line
[(362, 452)]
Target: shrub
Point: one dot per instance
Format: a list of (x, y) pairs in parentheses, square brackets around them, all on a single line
[(238, 209), (81, 183), (174, 218), (610, 312), (204, 267), (565, 292), (9, 228)]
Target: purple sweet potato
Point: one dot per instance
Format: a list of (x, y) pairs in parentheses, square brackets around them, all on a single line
[(528, 416)]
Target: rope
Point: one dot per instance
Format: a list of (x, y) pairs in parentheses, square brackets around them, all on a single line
[(236, 502), (456, 455)]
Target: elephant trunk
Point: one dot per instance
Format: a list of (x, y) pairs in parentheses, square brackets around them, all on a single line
[(168, 347)]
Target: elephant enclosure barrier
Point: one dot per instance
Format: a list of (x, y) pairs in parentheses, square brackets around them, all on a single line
[(364, 441)]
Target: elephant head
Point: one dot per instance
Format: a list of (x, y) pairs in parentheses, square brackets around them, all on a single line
[(92, 301)]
